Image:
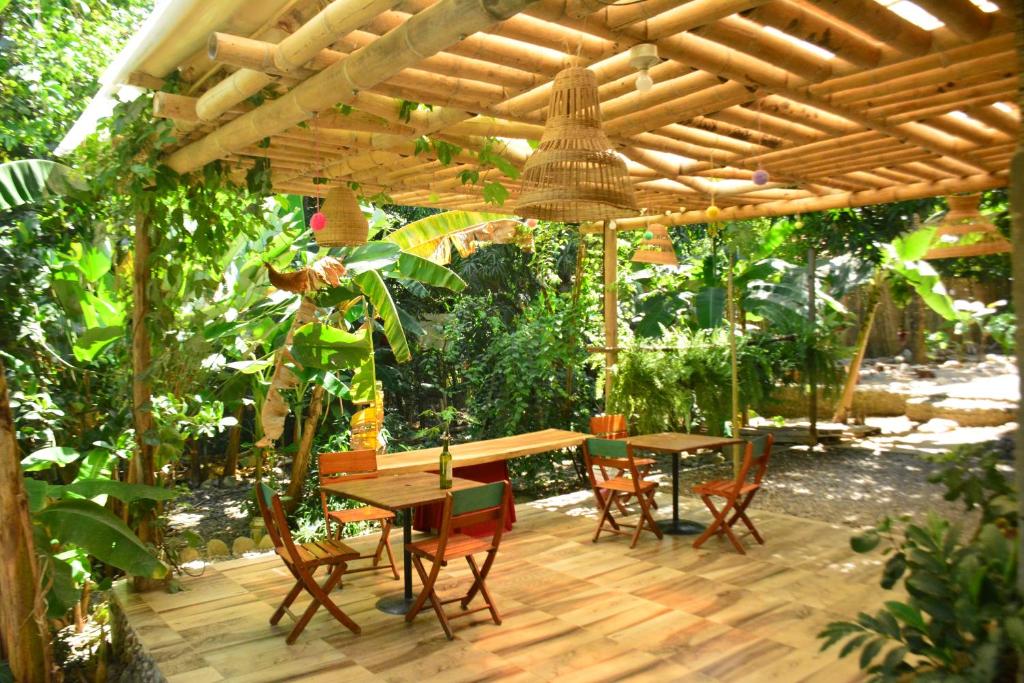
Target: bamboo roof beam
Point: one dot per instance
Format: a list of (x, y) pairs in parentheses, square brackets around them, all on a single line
[(907, 67), (715, 98), (331, 23), (994, 117), (967, 129), (695, 14), (751, 38), (793, 132), (804, 23), (961, 17), (975, 183), (424, 34), (879, 23)]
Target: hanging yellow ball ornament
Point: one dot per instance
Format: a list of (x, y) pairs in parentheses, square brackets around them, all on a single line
[(798, 224), (712, 212)]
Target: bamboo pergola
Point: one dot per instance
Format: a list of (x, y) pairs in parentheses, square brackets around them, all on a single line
[(842, 102)]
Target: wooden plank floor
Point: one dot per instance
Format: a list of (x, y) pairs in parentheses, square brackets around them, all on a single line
[(573, 611)]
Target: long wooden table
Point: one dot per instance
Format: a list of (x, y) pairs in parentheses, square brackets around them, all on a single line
[(677, 443), (399, 493), (480, 452)]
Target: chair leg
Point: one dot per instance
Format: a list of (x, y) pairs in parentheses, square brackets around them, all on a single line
[(386, 541), (645, 519), (288, 600), (480, 575), (741, 514), (601, 498), (320, 596), (713, 527), (428, 592), (605, 513)]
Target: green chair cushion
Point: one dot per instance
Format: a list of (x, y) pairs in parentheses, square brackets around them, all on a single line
[(477, 498), (607, 448)]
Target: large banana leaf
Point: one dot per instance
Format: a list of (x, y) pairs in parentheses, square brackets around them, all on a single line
[(423, 236), (98, 532), (329, 348), (709, 305), (412, 267), (372, 285), (371, 256), (29, 181)]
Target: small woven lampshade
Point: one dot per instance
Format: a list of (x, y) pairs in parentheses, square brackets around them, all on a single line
[(346, 224), (658, 249), (964, 231), (574, 175)]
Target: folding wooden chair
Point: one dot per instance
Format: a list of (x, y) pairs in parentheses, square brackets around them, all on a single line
[(303, 561), (463, 508), (345, 466), (737, 493), (601, 453), (614, 427)]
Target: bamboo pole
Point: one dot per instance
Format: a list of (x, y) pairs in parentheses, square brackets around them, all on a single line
[(838, 200), (333, 22), (812, 375), (836, 37), (611, 308), (730, 309), (300, 465), (961, 17), (422, 35), (1017, 263), (24, 632), (879, 23)]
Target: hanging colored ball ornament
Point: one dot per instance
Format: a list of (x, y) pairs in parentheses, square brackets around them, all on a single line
[(798, 224), (712, 212), (531, 222), (318, 221), (648, 235), (760, 177)]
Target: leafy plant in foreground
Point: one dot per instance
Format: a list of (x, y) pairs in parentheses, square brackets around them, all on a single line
[(963, 619)]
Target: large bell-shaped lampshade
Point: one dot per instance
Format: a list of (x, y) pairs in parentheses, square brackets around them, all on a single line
[(964, 231), (658, 249), (574, 175)]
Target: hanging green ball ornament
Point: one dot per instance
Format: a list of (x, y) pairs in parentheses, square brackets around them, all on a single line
[(798, 224), (648, 235)]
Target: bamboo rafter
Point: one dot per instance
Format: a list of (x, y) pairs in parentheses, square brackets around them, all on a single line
[(897, 107)]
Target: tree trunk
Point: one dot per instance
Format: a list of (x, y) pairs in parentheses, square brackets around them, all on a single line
[(300, 466), (234, 444), (918, 349), (736, 422), (853, 375), (142, 467), (24, 634)]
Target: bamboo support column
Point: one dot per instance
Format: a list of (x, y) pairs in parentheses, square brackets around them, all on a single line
[(611, 308), (812, 375), (1017, 260), (730, 309), (24, 633)]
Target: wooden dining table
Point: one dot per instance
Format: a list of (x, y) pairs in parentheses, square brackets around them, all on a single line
[(675, 444), (399, 493)]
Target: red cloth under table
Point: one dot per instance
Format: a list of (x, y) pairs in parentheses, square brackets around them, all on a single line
[(428, 517)]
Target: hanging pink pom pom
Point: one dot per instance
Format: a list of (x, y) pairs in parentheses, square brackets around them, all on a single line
[(760, 176), (531, 222), (318, 221)]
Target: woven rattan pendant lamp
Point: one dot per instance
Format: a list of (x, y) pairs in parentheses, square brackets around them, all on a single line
[(964, 231), (346, 225), (657, 248), (574, 175)]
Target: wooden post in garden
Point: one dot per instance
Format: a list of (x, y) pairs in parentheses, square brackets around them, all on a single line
[(874, 298), (812, 375), (611, 306), (730, 311), (1017, 261), (24, 634), (141, 468)]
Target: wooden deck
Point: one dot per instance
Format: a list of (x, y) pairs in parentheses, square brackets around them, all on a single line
[(573, 611)]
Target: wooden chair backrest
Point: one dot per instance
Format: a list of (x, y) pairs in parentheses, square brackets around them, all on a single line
[(602, 453), (609, 426), (345, 466), (758, 464), (480, 504), (276, 522)]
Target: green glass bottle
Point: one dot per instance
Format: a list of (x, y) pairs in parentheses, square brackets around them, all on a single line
[(446, 464)]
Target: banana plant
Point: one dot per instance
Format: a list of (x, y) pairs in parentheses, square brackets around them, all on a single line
[(30, 181)]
